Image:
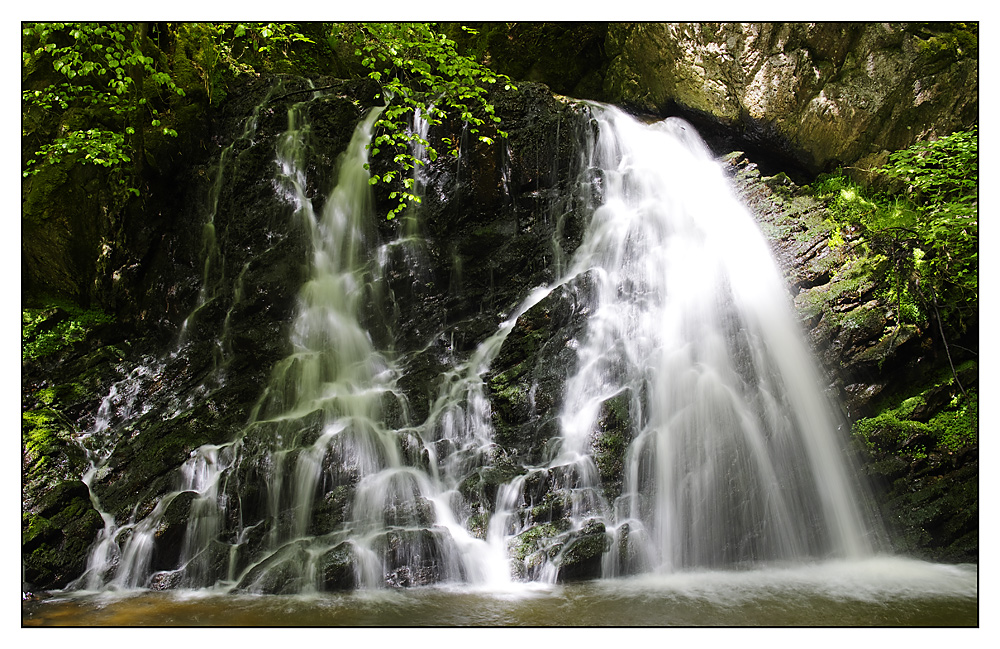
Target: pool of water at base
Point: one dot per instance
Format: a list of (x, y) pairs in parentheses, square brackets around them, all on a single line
[(885, 591)]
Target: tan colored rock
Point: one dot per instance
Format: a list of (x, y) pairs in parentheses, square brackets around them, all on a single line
[(823, 93)]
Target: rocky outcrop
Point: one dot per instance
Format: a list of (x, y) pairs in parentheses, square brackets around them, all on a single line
[(821, 94), (811, 95)]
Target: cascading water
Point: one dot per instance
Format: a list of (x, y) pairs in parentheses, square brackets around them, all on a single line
[(120, 557), (732, 457)]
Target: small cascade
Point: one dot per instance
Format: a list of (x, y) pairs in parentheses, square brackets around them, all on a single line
[(121, 555), (213, 269), (120, 405), (328, 397)]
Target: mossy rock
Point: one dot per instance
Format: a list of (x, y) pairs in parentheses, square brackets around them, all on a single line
[(56, 536), (277, 574), (925, 447), (337, 568), (611, 442), (581, 558), (539, 538)]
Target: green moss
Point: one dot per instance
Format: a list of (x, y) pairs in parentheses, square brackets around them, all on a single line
[(906, 408), (537, 538), (853, 282), (952, 427), (40, 431), (958, 426), (67, 392), (55, 326), (943, 43), (34, 528), (591, 543), (552, 506), (887, 426), (478, 524), (611, 443), (923, 446)]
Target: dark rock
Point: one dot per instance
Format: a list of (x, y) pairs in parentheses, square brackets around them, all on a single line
[(56, 534), (337, 568), (413, 557), (169, 536), (581, 557)]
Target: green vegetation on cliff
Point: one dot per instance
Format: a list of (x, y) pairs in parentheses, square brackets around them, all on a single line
[(914, 229), (940, 416), (59, 324), (921, 234), (923, 450), (421, 73)]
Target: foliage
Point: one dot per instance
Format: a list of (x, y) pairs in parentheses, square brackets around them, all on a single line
[(103, 68), (228, 50), (44, 331), (422, 77), (950, 429), (926, 234)]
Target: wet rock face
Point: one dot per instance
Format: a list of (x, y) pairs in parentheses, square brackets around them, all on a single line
[(495, 223), (527, 378), (211, 307), (853, 334), (821, 94), (224, 294), (57, 529), (494, 218), (60, 236)]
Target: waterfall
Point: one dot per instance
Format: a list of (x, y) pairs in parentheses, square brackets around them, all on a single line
[(730, 454)]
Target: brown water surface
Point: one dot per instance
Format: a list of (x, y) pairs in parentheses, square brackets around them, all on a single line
[(877, 592)]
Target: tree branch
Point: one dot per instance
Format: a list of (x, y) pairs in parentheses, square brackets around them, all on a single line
[(300, 92)]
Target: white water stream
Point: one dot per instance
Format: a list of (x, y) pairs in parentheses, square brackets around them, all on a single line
[(732, 457)]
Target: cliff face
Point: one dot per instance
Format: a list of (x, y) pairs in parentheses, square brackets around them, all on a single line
[(817, 94), (822, 94)]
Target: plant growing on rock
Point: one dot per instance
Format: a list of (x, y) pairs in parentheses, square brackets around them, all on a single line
[(422, 76), (923, 234)]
